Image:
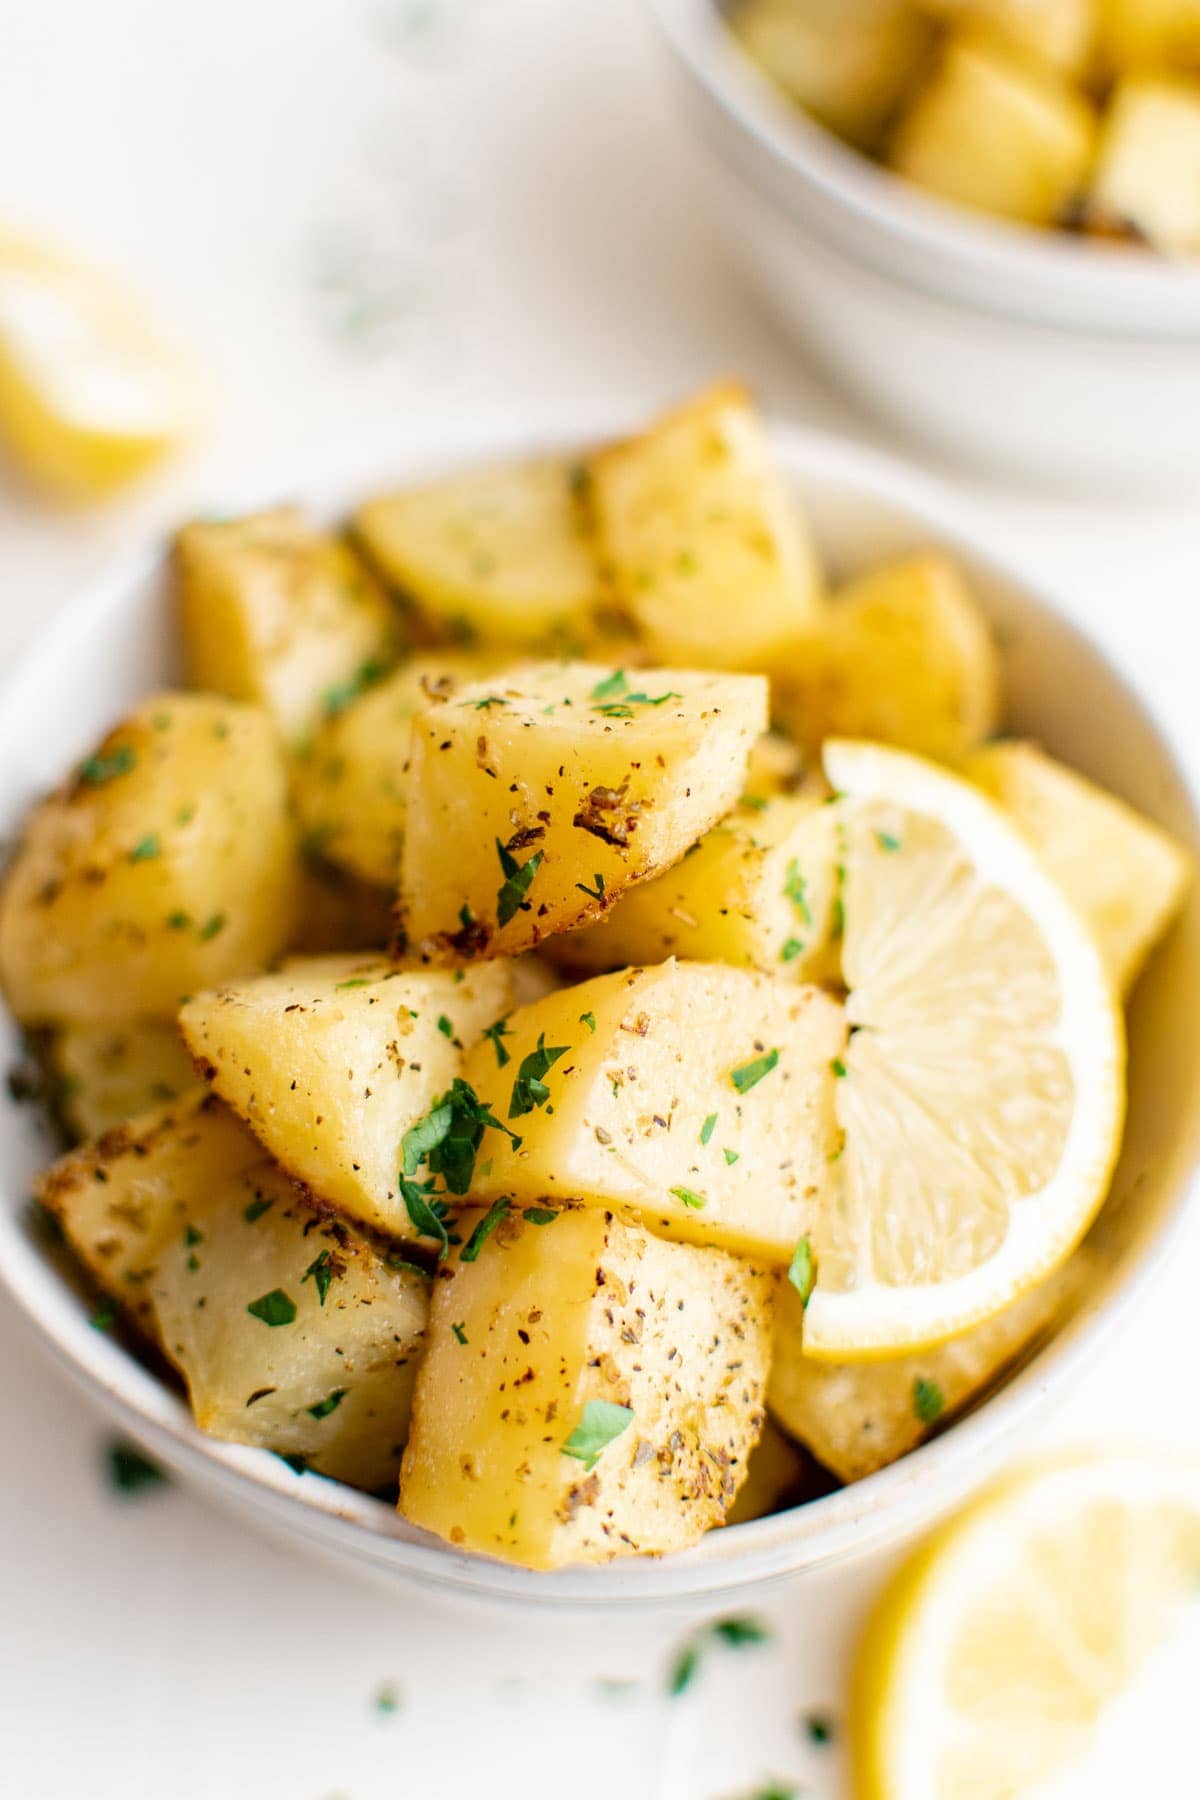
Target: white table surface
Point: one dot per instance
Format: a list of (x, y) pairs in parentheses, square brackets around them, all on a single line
[(508, 198)]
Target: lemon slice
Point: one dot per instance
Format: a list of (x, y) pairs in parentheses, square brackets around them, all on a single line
[(90, 396), (982, 1090), (1003, 1644)]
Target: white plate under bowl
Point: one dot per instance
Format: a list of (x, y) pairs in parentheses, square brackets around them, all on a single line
[(119, 641)]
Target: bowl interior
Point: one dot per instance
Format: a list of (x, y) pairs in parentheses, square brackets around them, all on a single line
[(118, 644)]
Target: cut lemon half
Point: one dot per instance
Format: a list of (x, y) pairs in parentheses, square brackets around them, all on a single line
[(90, 394), (1001, 1646), (982, 1093)]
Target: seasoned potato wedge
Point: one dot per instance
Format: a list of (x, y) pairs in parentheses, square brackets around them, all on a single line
[(587, 1391), (332, 1059), (504, 554), (698, 1097), (1057, 32), (1150, 34), (706, 548), (858, 1417), (994, 131), (1147, 175), (533, 802), (107, 1073), (759, 890), (275, 611), (1124, 875), (167, 864), (291, 1329), (903, 655), (847, 62), (348, 782)]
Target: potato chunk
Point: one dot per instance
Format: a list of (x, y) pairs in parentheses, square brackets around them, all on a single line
[(858, 1417), (166, 864), (1147, 34), (533, 802), (349, 782), (1122, 874), (698, 1097), (332, 1059), (104, 1074), (588, 1391), (705, 546), (847, 62), (903, 655), (275, 611), (503, 553), (1057, 32), (291, 1329), (996, 133), (758, 891), (1148, 174)]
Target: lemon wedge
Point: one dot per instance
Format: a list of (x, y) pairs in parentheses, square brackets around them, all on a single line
[(90, 395), (982, 1094), (1003, 1644)]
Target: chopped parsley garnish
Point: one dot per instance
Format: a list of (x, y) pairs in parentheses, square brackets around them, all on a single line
[(529, 1089), (929, 1402), (178, 921), (99, 769), (488, 701), (191, 1236), (792, 948), (802, 1270), (690, 1197), (499, 1209), (887, 840), (593, 893), (748, 1075), (795, 889), (540, 1215), (459, 1333), (708, 1127), (103, 1319), (601, 1423), (444, 1026), (320, 1272), (297, 1464), (447, 1138), (731, 1156), (518, 879), (387, 1698), (337, 698), (211, 927), (129, 1471), (352, 981), (611, 685), (684, 1670), (753, 802), (820, 1728), (257, 1207), (495, 1033), (613, 697), (329, 1404), (739, 1633), (275, 1308), (838, 1067), (588, 1019), (146, 848), (425, 1215)]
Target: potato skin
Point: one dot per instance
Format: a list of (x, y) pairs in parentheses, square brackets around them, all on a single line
[(165, 865), (330, 1060), (552, 1316), (186, 1223), (645, 1061), (277, 612), (571, 781)]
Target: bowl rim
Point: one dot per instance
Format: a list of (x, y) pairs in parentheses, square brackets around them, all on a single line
[(1153, 297), (729, 1561)]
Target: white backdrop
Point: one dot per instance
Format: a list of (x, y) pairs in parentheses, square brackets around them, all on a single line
[(364, 211)]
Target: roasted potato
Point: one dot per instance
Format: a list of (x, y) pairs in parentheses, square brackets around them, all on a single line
[(698, 1097), (107, 1073), (759, 891), (847, 62), (536, 800), (504, 554), (1150, 34), (858, 1417), (1125, 876), (275, 611), (292, 1329), (165, 865), (1147, 177), (995, 132), (587, 1391), (1059, 33), (332, 1059), (705, 547), (349, 780), (903, 655)]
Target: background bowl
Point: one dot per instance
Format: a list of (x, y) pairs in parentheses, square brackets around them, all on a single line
[(1029, 352), (119, 642)]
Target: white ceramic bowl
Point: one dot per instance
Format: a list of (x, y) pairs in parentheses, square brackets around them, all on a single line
[(1033, 353), (119, 641)]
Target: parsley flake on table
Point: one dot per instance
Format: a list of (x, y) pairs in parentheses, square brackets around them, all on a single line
[(129, 1472), (601, 1423), (748, 1075), (275, 1308), (518, 879), (739, 1632)]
